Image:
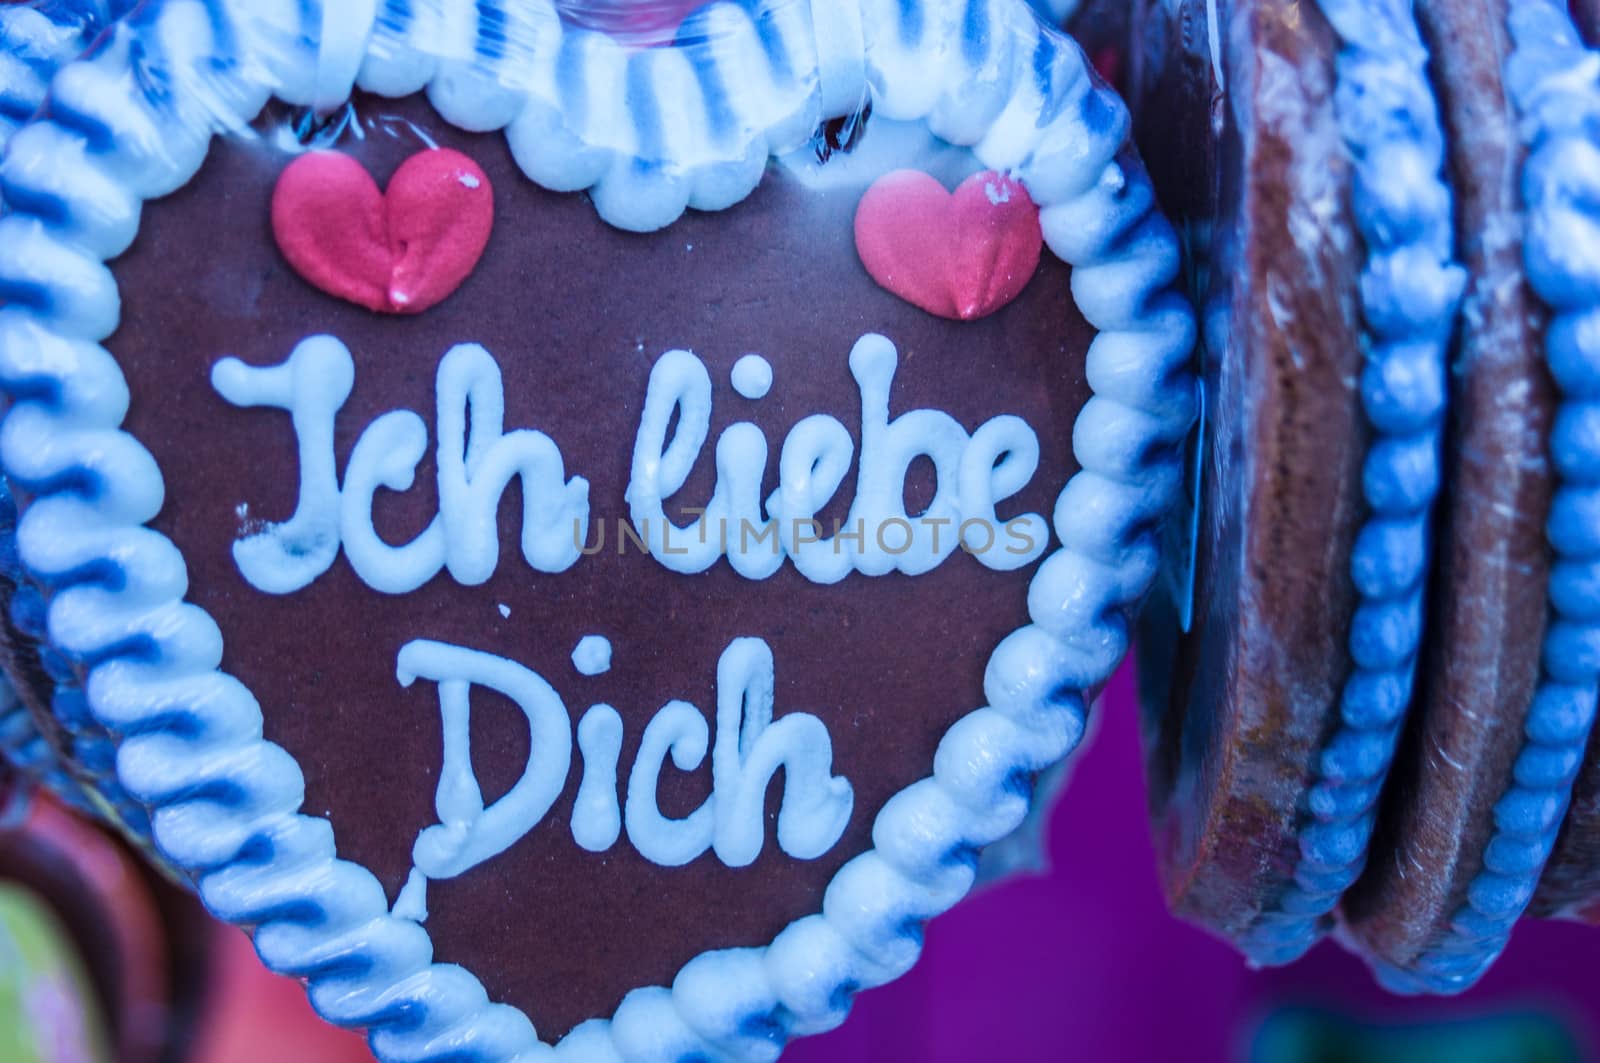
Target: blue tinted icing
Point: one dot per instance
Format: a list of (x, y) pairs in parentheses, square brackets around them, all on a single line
[(97, 758), (142, 16), (975, 42), (95, 133), (26, 293), (55, 665), (911, 22), (83, 482), (491, 42), (646, 110), (1044, 55), (767, 1026), (182, 724), (104, 573), (1098, 115), (41, 204), (28, 610), (776, 48), (16, 105), (40, 389), (396, 16), (719, 114), (135, 647), (150, 70), (71, 708), (572, 83), (225, 42), (1091, 109), (98, 46)]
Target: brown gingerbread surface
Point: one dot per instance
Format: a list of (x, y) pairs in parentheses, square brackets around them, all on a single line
[(576, 313), (1254, 684)]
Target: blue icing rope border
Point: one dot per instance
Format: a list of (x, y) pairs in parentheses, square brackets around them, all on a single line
[(1554, 82), (1410, 289), (91, 746), (91, 749), (226, 803), (35, 40), (22, 746)]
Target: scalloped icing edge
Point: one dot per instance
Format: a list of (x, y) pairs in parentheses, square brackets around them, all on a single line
[(1390, 124), (89, 785), (226, 802), (33, 46)]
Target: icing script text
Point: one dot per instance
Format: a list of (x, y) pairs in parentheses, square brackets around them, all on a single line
[(747, 748), (477, 460)]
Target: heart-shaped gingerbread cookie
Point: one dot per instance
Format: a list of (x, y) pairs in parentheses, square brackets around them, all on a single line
[(629, 654)]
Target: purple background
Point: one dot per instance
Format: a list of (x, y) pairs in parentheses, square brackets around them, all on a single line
[(1085, 962)]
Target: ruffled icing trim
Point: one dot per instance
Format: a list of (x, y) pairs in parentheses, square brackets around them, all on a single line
[(225, 802), (91, 749), (1410, 289), (1554, 82), (34, 43)]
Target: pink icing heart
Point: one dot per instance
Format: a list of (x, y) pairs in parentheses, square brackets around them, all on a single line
[(959, 255), (396, 253)]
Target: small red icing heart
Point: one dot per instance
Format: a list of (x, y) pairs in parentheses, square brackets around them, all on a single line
[(397, 253), (959, 255)]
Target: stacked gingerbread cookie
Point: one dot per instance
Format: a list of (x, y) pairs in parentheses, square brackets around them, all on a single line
[(1371, 690)]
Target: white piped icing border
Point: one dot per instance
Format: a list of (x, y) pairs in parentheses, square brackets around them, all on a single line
[(580, 113)]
